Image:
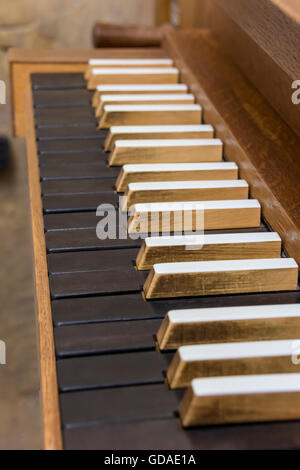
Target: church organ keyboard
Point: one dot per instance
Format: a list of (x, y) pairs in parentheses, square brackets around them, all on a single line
[(157, 339)]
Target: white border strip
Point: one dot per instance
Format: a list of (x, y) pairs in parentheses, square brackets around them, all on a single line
[(161, 97), (165, 167), (247, 384), (223, 351), (196, 205), (174, 185), (129, 88), (195, 267), (254, 312), (150, 107), (169, 143), (215, 239), (135, 71), (95, 62)]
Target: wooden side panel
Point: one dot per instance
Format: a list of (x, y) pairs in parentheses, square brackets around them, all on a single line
[(254, 135), (263, 40), (49, 389)]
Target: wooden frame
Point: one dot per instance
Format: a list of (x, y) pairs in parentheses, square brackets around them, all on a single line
[(244, 134), (22, 64)]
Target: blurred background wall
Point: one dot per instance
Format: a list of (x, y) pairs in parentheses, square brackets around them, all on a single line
[(65, 23)]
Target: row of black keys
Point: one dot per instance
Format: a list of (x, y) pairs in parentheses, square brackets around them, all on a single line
[(110, 377)]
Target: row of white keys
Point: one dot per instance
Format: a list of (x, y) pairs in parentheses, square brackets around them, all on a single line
[(240, 363)]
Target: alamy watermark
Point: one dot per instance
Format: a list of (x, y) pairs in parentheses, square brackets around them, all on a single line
[(2, 92), (186, 218), (296, 93), (2, 353)]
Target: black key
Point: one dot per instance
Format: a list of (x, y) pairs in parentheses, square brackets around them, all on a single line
[(78, 202), (61, 98), (71, 133), (91, 261), (106, 309), (50, 117), (70, 159), (133, 307), (96, 170), (105, 338), (59, 81), (72, 146), (71, 221), (167, 434), (117, 405), (110, 282), (78, 186), (84, 239), (117, 370)]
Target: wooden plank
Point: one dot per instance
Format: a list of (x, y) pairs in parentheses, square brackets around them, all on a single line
[(233, 324), (172, 191), (168, 217), (125, 63), (207, 248), (252, 398), (262, 40), (229, 359), (132, 115), (49, 391), (243, 130), (157, 132), (221, 277), (166, 151), (118, 63), (131, 76), (183, 98), (137, 89), (175, 172)]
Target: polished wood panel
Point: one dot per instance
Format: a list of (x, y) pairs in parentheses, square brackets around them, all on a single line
[(255, 136)]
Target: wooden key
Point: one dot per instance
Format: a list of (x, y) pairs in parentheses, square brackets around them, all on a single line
[(157, 133), (143, 99), (137, 89), (207, 248), (212, 360), (175, 191), (175, 172), (154, 114), (119, 63), (191, 279), (228, 324), (241, 399), (186, 216), (132, 76), (166, 151)]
